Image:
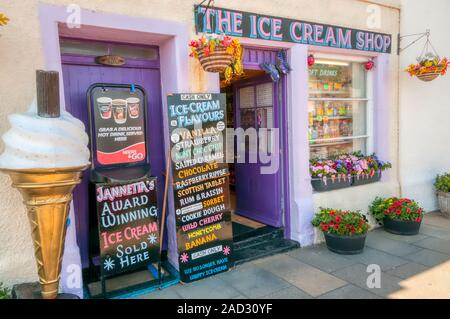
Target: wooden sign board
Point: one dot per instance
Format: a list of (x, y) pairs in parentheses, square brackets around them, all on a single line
[(110, 60), (200, 184)]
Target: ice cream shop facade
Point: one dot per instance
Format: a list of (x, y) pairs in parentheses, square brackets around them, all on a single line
[(316, 84)]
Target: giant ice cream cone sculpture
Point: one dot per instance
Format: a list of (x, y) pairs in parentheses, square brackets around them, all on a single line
[(45, 154)]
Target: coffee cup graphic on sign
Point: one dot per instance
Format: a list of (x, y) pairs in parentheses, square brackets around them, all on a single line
[(133, 107), (119, 108), (105, 107)]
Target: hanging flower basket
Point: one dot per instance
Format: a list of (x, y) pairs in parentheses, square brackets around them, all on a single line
[(216, 61), (219, 54), (428, 76), (428, 68)]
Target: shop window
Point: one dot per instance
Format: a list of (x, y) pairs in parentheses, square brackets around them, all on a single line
[(339, 108), (69, 46)]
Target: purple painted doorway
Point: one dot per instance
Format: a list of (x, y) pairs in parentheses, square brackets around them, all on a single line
[(79, 72), (260, 103), (257, 194)]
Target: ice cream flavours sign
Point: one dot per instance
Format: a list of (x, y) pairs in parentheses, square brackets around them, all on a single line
[(128, 225), (200, 184), (258, 26), (119, 126)]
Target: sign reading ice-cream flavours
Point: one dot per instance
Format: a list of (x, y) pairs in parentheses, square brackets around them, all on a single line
[(119, 126), (200, 184), (128, 225), (265, 27)]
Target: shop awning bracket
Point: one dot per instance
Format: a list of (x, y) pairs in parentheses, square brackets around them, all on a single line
[(418, 36), (210, 5)]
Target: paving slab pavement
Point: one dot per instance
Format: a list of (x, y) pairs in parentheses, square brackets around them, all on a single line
[(410, 267)]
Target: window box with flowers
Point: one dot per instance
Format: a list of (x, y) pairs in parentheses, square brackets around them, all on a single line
[(346, 170), (344, 231), (329, 175), (400, 216)]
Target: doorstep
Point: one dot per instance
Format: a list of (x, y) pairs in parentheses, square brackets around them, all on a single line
[(260, 243)]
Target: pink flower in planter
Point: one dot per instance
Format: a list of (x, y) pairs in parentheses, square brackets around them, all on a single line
[(363, 164)]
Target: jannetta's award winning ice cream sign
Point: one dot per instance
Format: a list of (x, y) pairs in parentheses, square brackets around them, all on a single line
[(264, 27), (128, 225), (117, 125)]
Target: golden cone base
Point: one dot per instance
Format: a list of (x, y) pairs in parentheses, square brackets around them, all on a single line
[(47, 194)]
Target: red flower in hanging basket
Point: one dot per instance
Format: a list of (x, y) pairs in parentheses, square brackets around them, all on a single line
[(369, 65), (428, 68), (194, 44), (311, 60)]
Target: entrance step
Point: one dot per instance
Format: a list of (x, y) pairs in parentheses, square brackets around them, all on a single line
[(263, 242), (256, 236)]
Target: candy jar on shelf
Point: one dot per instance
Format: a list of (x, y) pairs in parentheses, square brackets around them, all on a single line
[(320, 110), (329, 109)]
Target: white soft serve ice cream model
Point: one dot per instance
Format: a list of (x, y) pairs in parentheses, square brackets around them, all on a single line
[(45, 153), (38, 142)]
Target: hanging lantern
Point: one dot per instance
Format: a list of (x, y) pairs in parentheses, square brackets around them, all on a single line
[(311, 60), (369, 65)]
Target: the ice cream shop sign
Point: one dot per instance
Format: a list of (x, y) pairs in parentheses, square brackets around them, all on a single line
[(265, 27)]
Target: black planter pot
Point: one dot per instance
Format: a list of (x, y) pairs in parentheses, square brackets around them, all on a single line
[(319, 184), (401, 227), (366, 179), (345, 245)]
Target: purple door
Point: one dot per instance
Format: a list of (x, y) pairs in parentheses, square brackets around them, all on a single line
[(257, 194), (81, 71)]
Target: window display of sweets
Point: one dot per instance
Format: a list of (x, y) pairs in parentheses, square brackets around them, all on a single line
[(337, 108)]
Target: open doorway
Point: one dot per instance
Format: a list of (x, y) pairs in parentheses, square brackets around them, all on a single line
[(255, 102), (250, 106)]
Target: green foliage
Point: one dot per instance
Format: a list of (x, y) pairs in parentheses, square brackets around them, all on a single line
[(442, 183), (4, 292), (343, 223), (395, 208)]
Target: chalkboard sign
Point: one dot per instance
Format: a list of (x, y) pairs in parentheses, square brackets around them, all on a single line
[(200, 184), (118, 117), (128, 225)]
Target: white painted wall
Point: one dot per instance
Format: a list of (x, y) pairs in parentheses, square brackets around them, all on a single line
[(424, 107)]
